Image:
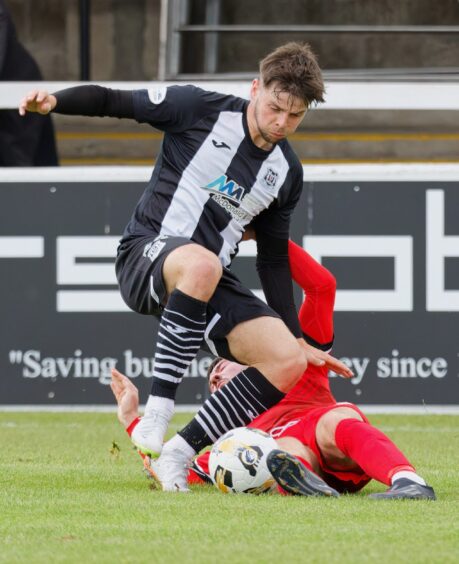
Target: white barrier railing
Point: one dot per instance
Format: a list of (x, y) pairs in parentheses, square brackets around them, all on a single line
[(339, 95), (400, 172)]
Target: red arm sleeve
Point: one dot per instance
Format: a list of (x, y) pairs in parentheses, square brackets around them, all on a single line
[(129, 430), (319, 286)]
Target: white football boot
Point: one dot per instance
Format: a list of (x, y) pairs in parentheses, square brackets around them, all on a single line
[(169, 472), (148, 434)]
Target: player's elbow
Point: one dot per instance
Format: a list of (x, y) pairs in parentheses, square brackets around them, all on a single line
[(330, 282), (327, 282)]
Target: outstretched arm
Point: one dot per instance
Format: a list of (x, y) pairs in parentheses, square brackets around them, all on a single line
[(315, 318), (319, 286), (87, 100), (316, 312), (274, 272)]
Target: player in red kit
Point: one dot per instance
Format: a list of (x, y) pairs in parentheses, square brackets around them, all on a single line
[(316, 435)]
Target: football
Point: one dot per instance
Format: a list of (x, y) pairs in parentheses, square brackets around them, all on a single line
[(237, 462)]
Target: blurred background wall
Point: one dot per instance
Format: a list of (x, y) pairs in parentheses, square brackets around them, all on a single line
[(125, 35), (125, 45)]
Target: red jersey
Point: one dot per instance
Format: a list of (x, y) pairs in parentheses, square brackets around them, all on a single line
[(312, 393), (316, 322)]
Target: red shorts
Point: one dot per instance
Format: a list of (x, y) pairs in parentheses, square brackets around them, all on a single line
[(303, 428)]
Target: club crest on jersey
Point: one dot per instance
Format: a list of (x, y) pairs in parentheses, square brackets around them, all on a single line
[(271, 177), (227, 188)]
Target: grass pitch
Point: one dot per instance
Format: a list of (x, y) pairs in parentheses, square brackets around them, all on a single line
[(72, 490)]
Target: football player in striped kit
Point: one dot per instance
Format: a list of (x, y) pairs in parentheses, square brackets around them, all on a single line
[(327, 447), (225, 163)]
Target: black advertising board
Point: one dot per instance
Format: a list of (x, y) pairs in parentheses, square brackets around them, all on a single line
[(392, 243)]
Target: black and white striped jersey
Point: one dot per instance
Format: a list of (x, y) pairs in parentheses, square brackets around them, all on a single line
[(210, 180)]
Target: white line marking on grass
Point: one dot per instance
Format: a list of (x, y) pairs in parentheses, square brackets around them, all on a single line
[(192, 408)]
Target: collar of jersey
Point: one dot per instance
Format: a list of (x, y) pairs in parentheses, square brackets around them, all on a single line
[(257, 151)]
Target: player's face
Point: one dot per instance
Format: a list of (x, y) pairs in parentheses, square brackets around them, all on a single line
[(222, 373), (277, 114)]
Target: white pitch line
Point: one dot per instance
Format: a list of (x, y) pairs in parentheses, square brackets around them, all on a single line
[(192, 408)]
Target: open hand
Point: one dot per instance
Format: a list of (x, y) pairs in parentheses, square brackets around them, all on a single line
[(127, 397), (319, 358), (38, 101)]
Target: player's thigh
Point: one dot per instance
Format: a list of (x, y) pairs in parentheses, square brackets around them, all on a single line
[(263, 340), (266, 344), (243, 328), (139, 267), (192, 269)]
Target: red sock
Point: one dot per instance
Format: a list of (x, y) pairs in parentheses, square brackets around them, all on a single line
[(129, 430), (375, 453), (303, 461), (132, 425)]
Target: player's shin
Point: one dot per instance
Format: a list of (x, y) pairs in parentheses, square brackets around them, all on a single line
[(371, 449), (180, 335), (245, 397)]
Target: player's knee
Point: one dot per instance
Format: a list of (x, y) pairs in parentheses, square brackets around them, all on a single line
[(327, 424), (295, 447), (206, 269), (325, 431), (200, 272)]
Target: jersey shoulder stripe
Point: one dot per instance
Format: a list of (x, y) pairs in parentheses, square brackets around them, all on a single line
[(177, 108)]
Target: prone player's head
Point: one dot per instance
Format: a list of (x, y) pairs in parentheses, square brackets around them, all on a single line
[(290, 82), (221, 371)]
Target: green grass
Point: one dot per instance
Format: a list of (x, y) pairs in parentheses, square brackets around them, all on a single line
[(65, 498)]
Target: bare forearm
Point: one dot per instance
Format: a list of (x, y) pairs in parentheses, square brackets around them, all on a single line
[(126, 418)]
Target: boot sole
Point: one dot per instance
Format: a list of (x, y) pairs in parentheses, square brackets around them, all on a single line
[(295, 478)]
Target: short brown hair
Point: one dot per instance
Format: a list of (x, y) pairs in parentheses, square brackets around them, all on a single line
[(295, 68)]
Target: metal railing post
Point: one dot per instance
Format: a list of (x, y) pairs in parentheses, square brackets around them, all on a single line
[(85, 39)]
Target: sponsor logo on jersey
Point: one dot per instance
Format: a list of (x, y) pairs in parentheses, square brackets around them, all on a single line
[(228, 188), (238, 214), (220, 144)]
